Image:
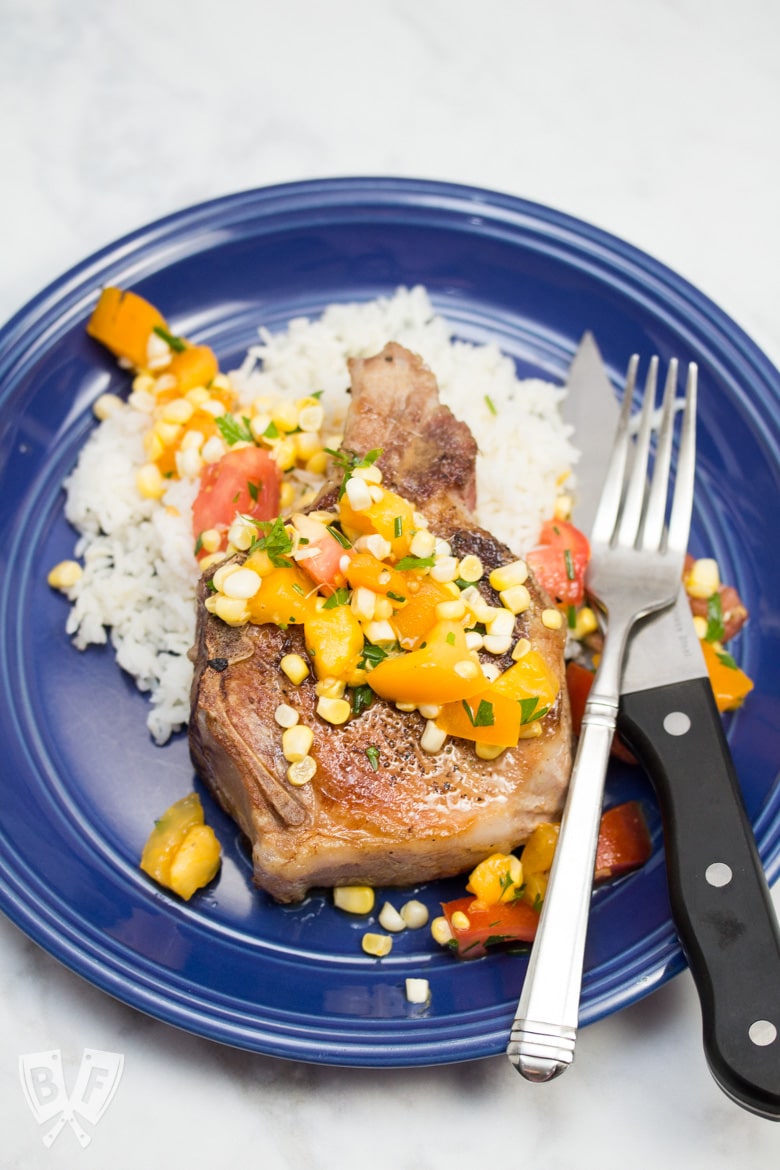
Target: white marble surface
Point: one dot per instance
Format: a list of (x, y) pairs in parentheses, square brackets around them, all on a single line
[(656, 121)]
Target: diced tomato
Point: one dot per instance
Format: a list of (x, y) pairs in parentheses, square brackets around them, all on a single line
[(504, 922), (579, 680), (559, 561), (322, 553), (624, 841), (245, 480)]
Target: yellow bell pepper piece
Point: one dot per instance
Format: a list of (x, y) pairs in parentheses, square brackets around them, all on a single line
[(496, 879), (392, 517), (194, 366), (540, 849), (413, 622), (334, 641), (502, 712), (284, 598), (182, 852), (442, 670)]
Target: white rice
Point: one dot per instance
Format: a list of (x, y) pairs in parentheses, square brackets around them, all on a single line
[(140, 573)]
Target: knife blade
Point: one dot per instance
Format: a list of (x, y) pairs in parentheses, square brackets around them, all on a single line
[(721, 905)]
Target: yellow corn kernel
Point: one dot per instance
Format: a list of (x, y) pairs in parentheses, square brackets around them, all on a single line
[(423, 543), (414, 913), (197, 396), (231, 610), (317, 464), (206, 563), (517, 599), (389, 919), (311, 417), (497, 643), (285, 415), (294, 666), (358, 493), (336, 711), (450, 611), (460, 921), (704, 578), (488, 751), (466, 668), (440, 931), (296, 742), (167, 432), (433, 738), (505, 576), (64, 575), (242, 535), (330, 688), (354, 899), (143, 384), (552, 619), (178, 410), (285, 715), (302, 771), (445, 569), (242, 584), (521, 648), (586, 622), (307, 444), (286, 496), (210, 540), (106, 405), (562, 507), (149, 482), (153, 446), (372, 474), (700, 626), (471, 569), (377, 945)]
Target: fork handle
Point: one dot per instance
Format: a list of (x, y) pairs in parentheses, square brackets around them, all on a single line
[(544, 1031), (720, 899)]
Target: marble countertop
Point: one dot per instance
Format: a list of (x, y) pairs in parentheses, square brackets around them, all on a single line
[(656, 121)]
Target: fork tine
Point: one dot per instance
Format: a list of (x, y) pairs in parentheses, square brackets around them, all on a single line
[(631, 518), (612, 493), (682, 504), (655, 516)]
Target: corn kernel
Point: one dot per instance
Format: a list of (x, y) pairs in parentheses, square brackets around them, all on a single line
[(562, 507), (285, 715), (552, 619), (207, 562), (142, 401), (286, 496), (143, 384), (242, 535), (149, 482), (422, 543), (311, 417), (358, 494), (471, 569), (497, 643), (210, 540), (330, 688), (520, 649), (231, 610), (428, 710), (307, 444), (302, 771), (153, 446), (167, 432), (383, 610), (488, 751), (380, 633), (178, 410), (197, 396), (700, 626), (417, 990), (445, 569), (317, 464), (704, 578), (294, 666), (371, 474), (242, 584), (460, 921), (213, 450), (336, 711), (285, 415), (450, 611), (377, 945), (517, 599), (467, 669), (283, 454), (188, 463), (504, 577), (64, 575), (433, 738), (363, 603), (296, 742), (354, 899), (390, 919), (414, 913), (440, 931), (106, 405), (586, 622), (376, 493), (491, 671), (474, 639)]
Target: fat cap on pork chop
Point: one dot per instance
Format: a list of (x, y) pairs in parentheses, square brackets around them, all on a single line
[(417, 816)]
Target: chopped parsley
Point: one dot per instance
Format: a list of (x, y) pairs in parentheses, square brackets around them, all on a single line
[(254, 489), (372, 655), (198, 544), (177, 344), (725, 659), (271, 431), (483, 717), (362, 697), (450, 639), (338, 597), (234, 430), (416, 563), (373, 757), (530, 710), (275, 541), (348, 461), (716, 629)]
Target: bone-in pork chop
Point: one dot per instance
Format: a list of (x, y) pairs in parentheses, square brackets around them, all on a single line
[(400, 815)]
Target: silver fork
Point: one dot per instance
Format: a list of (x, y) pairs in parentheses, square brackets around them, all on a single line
[(635, 569)]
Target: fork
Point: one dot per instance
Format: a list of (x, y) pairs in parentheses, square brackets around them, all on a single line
[(635, 570)]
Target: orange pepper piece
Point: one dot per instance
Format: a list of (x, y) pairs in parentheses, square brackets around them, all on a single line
[(442, 670), (123, 322), (194, 366), (730, 685)]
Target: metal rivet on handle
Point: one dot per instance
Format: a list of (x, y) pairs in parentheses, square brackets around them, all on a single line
[(762, 1032), (718, 874), (677, 723)]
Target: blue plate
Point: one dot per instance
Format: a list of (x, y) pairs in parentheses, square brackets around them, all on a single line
[(81, 780)]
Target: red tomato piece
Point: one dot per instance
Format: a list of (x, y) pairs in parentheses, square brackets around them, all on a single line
[(324, 554), (624, 841), (245, 480), (559, 561), (504, 922)]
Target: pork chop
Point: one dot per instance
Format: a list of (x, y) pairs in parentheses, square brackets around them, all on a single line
[(399, 815)]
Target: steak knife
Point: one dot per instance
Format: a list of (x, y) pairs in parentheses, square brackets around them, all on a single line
[(721, 905)]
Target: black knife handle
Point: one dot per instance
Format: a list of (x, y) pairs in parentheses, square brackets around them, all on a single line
[(720, 900)]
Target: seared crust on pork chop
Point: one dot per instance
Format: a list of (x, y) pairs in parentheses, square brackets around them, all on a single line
[(416, 816)]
